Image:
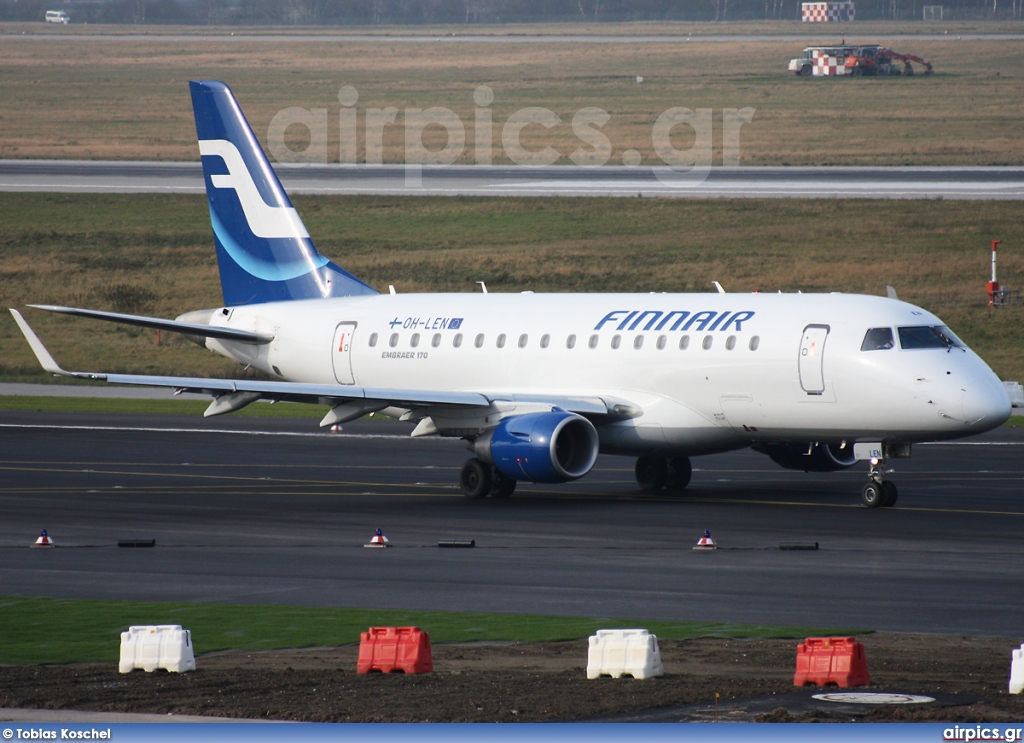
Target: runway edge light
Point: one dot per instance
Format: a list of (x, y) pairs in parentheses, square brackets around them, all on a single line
[(43, 540), (379, 540), (706, 542)]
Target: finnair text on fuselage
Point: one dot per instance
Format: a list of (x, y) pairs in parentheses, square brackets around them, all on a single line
[(680, 319)]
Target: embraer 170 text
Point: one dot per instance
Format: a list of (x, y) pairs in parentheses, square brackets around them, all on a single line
[(539, 384)]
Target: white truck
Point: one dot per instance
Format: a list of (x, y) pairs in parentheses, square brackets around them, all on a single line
[(57, 16)]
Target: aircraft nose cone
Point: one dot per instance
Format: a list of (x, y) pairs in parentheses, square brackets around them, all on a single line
[(986, 406)]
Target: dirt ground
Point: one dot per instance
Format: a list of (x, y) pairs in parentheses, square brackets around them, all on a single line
[(540, 682)]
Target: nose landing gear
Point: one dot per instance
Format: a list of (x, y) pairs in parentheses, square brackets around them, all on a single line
[(878, 492)]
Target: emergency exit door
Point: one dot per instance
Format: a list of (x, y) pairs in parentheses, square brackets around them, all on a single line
[(812, 359)]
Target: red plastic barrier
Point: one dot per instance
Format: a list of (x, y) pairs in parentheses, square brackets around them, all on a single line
[(390, 649), (831, 660)]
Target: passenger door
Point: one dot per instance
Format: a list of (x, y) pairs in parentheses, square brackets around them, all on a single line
[(812, 359)]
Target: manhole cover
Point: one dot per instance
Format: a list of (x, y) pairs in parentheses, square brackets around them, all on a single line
[(863, 697)]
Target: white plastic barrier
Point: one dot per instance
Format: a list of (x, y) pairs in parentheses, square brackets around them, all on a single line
[(619, 652), (1017, 671), (1016, 393), (150, 647)]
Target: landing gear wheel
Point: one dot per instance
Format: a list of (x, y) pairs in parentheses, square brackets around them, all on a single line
[(651, 473), (889, 494), (679, 472), (502, 486), (475, 479), (872, 495)]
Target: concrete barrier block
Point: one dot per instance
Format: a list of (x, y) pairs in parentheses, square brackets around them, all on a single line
[(150, 647), (624, 652)]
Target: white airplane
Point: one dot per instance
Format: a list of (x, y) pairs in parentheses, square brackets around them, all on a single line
[(539, 384)]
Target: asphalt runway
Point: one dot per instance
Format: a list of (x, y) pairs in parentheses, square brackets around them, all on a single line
[(824, 35), (85, 176), (266, 511)]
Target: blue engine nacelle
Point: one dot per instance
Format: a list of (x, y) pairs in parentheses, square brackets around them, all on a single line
[(810, 457), (555, 446)]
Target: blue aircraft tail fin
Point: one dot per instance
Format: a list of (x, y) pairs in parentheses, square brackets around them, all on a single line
[(263, 250)]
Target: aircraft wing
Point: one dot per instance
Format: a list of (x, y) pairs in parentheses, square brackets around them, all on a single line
[(348, 401), (188, 328)]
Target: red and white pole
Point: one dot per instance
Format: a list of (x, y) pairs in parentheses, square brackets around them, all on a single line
[(993, 286)]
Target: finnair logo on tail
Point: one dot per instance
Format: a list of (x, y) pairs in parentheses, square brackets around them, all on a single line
[(264, 220)]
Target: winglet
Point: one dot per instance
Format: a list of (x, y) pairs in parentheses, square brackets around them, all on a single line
[(46, 360)]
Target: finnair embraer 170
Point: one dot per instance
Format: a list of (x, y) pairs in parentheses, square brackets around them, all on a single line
[(539, 384)]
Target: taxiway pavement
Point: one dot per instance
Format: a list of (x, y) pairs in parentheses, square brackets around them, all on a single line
[(974, 183), (266, 511)]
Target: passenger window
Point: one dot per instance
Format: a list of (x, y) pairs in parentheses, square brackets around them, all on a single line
[(523, 339), (479, 342), (436, 340), (661, 342), (878, 339), (708, 340), (457, 340), (616, 340), (501, 341), (373, 340), (730, 342), (684, 343), (394, 340), (593, 341), (638, 342), (755, 342), (415, 340), (570, 342), (545, 340)]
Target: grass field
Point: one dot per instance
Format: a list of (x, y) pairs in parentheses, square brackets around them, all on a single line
[(127, 98), (153, 254), (44, 630), (629, 28)]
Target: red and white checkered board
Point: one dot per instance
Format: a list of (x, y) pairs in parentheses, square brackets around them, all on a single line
[(826, 66)]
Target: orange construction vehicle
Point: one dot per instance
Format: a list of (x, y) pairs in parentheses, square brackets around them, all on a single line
[(879, 60)]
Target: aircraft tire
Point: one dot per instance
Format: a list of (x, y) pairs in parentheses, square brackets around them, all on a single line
[(502, 486), (872, 495), (679, 473), (651, 473), (889, 493), (475, 479)]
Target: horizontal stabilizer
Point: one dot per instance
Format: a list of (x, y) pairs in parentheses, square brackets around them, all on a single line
[(205, 331)]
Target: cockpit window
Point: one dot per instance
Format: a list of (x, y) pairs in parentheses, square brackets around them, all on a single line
[(877, 339), (924, 336)]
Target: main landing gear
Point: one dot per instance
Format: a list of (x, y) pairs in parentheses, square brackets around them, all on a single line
[(670, 473), (879, 492), (479, 479)]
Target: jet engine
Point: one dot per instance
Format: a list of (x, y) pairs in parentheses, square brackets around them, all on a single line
[(554, 446), (810, 457)]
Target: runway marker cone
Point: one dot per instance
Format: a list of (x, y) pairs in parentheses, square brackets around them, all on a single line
[(706, 542), (379, 540), (43, 540), (336, 428)]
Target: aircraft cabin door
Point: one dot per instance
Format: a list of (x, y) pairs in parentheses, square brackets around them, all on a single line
[(812, 359), (342, 352)]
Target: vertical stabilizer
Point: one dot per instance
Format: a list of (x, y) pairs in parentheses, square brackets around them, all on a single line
[(263, 250)]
